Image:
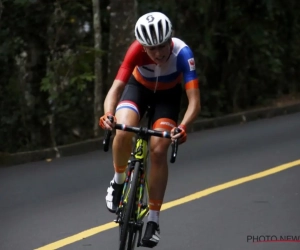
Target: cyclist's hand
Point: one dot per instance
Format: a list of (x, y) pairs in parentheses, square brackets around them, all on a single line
[(105, 123), (181, 135)]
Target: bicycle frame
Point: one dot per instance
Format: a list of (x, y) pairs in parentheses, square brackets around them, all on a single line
[(137, 209), (141, 154)]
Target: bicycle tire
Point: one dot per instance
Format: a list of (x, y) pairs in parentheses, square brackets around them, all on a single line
[(131, 239), (129, 210)]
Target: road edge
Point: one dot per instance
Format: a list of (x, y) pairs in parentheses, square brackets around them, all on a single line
[(86, 146)]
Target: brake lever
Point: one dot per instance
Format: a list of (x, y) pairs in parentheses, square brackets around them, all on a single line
[(174, 147), (107, 136)]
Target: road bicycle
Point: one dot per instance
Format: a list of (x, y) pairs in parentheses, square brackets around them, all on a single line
[(133, 205)]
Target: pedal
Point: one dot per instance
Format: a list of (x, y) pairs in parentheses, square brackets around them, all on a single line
[(118, 220)]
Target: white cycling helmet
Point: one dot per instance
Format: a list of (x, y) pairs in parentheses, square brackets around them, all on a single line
[(153, 29)]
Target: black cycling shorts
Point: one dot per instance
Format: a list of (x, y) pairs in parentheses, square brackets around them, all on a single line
[(164, 103)]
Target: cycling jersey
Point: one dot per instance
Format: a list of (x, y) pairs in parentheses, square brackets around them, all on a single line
[(180, 66)]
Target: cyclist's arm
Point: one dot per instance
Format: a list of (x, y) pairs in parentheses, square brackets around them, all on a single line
[(130, 61), (113, 96), (193, 108), (187, 65)]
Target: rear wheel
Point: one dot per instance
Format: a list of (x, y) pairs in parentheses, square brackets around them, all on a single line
[(128, 234)]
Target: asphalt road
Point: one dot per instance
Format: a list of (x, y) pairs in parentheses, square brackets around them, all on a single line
[(45, 202)]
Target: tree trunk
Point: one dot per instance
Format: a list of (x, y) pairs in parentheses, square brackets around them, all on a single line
[(35, 67), (123, 16), (1, 8), (36, 70), (98, 87)]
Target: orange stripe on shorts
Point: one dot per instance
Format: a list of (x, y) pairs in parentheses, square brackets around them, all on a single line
[(165, 124)]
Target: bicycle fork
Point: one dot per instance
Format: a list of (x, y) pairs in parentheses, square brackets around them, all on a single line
[(141, 209)]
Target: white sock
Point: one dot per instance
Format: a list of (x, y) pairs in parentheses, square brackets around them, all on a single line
[(119, 178), (153, 216)]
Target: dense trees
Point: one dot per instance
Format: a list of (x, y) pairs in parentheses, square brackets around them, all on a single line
[(54, 74)]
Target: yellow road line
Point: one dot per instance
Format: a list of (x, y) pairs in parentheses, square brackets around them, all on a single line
[(168, 205)]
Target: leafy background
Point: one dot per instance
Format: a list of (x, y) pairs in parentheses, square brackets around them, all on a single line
[(247, 55)]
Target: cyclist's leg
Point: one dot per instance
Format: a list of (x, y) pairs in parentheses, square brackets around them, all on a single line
[(122, 143), (129, 110), (167, 108)]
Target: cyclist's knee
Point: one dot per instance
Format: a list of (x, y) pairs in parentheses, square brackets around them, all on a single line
[(130, 118), (159, 148), (123, 137)]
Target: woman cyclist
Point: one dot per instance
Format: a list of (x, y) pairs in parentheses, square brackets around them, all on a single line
[(154, 68)]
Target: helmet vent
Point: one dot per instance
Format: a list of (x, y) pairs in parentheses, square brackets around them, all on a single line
[(145, 34), (167, 29), (153, 34), (138, 34), (160, 32)]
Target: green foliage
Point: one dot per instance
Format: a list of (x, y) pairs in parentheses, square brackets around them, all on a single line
[(35, 89), (241, 51), (69, 81), (247, 54), (70, 69)]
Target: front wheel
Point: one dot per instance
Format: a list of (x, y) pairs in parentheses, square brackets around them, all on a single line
[(128, 234)]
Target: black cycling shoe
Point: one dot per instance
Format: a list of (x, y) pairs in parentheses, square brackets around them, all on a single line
[(152, 235)]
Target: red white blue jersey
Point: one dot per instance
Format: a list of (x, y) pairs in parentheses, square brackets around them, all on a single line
[(179, 67)]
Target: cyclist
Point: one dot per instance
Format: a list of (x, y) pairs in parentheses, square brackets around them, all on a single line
[(152, 72)]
